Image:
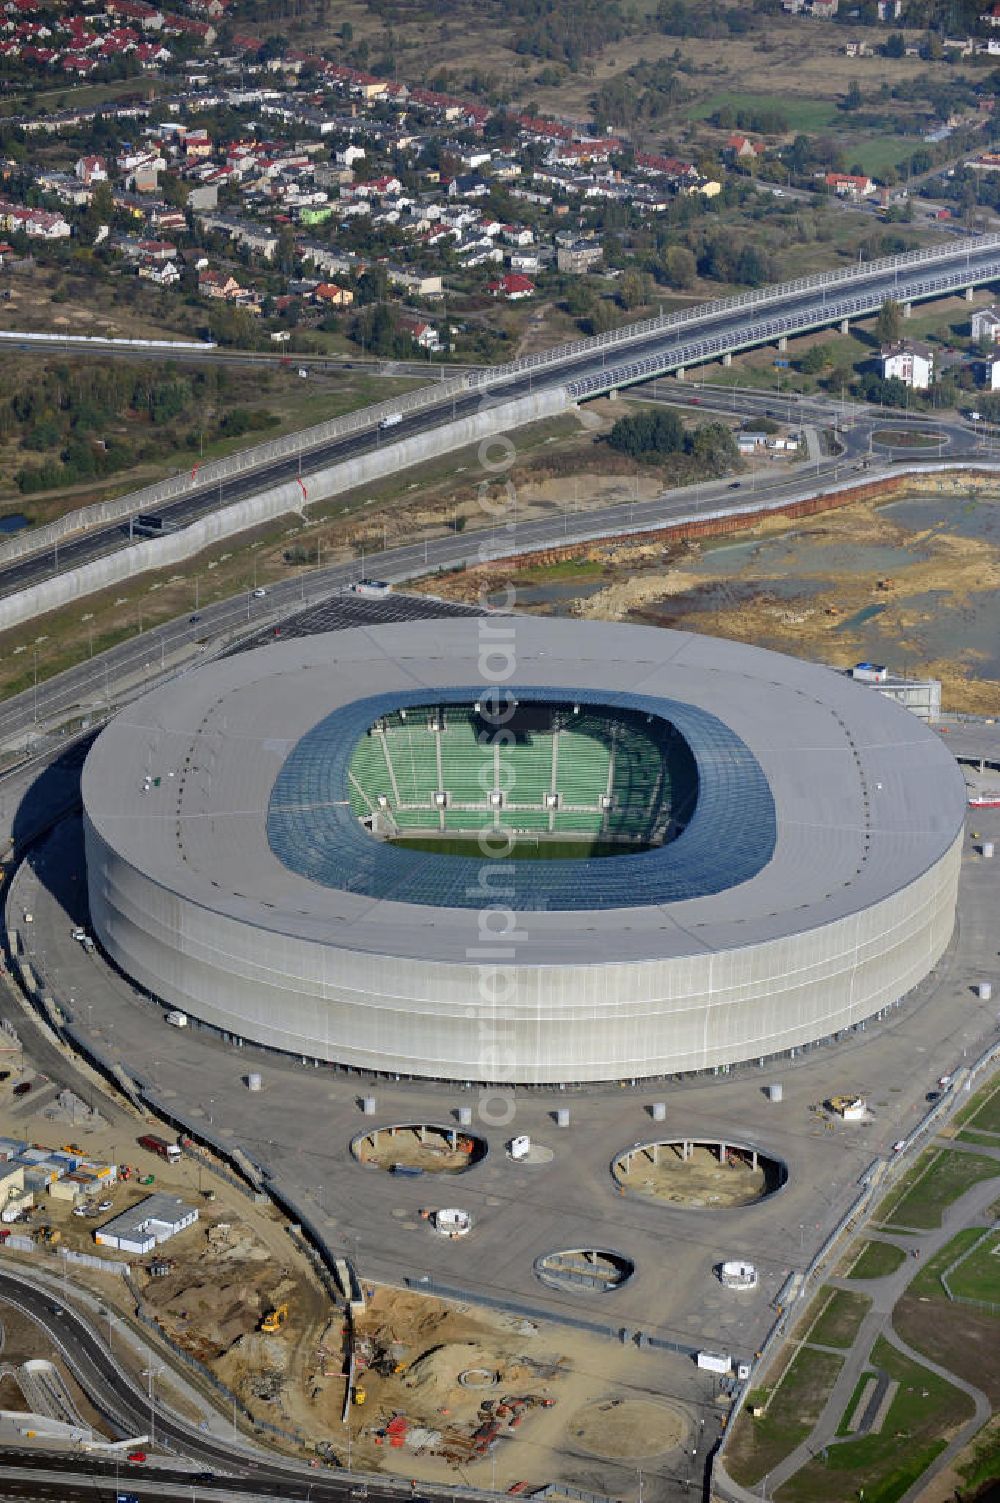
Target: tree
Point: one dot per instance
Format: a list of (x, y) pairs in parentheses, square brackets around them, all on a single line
[(854, 98), (895, 45), (840, 379), (633, 290), (890, 322), (679, 266), (648, 435), (813, 360), (286, 249)]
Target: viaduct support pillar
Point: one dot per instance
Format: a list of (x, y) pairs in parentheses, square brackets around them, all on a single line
[(783, 343), (680, 373), (907, 310), (970, 293), (844, 325), (727, 358)]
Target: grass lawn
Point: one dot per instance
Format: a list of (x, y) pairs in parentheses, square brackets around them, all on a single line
[(927, 1284), (906, 438), (938, 1178), (757, 1445), (925, 1409), (983, 1111), (979, 1139), (978, 1277), (563, 568), (880, 152), (853, 1401), (876, 1260), (840, 1318), (801, 114)]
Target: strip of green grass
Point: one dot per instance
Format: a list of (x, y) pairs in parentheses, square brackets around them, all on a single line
[(876, 1260), (564, 568), (938, 1178), (757, 1445), (928, 1281), (925, 1409), (978, 1277), (841, 1318), (983, 1111), (853, 1402)]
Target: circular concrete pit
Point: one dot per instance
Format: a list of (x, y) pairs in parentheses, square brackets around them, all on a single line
[(708, 1174), (587, 1270), (414, 1148)]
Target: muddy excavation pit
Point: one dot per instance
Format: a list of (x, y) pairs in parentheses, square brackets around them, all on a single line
[(411, 1149), (702, 1174)]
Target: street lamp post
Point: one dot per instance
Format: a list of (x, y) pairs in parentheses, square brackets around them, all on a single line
[(152, 1372)]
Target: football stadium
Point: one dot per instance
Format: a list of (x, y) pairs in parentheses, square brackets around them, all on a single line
[(522, 850)]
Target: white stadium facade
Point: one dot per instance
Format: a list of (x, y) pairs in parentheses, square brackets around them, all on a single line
[(722, 854)]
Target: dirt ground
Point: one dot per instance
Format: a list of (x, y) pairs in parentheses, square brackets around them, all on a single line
[(948, 1485), (403, 1145), (701, 1181), (233, 1266), (628, 1429), (440, 1377), (802, 604), (964, 1340)]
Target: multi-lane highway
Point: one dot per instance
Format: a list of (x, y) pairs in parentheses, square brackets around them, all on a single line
[(585, 368), (91, 687)]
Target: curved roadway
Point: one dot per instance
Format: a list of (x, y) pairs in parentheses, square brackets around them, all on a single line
[(126, 1409), (90, 688)]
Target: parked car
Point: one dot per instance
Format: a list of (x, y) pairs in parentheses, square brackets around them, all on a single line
[(22, 1088), (105, 1205)]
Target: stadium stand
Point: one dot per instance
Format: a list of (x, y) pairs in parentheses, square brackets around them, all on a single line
[(617, 777)]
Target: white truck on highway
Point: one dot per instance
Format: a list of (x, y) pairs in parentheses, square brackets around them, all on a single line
[(391, 420)]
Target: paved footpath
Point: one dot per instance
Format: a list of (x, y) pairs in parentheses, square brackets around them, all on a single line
[(885, 1292)]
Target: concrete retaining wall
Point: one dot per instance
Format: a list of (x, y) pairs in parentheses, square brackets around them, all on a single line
[(175, 547), (174, 487)]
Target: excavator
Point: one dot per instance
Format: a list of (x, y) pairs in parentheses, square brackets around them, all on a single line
[(274, 1320)]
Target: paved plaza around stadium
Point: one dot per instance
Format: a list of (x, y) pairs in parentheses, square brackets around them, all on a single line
[(299, 1129)]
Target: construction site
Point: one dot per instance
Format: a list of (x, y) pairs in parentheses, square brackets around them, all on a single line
[(369, 1376), (448, 1390), (418, 1148), (699, 1175)]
